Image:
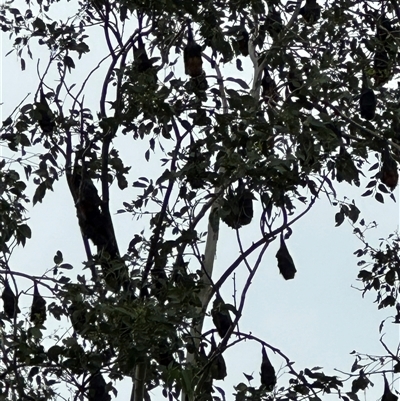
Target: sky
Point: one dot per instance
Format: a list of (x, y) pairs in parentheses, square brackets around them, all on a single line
[(317, 319)]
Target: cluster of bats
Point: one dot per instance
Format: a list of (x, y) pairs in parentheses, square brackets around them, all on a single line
[(97, 389), (368, 101), (239, 205), (311, 13), (384, 37), (243, 197), (223, 321), (11, 309), (97, 385)]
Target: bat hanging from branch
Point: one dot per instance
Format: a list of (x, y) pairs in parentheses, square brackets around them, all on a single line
[(268, 376), (192, 55), (38, 308), (10, 301)]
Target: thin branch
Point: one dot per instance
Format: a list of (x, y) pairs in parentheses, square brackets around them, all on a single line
[(241, 250), (222, 345), (348, 119), (257, 244), (395, 357), (157, 230)]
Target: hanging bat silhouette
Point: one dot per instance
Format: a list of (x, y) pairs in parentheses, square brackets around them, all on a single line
[(164, 353), (387, 394), (311, 12), (220, 316), (92, 221), (243, 42), (166, 359), (285, 262), (240, 206), (196, 167), (97, 389), (96, 226), (389, 172), (192, 55), (345, 167), (268, 87), (46, 121), (367, 100), (367, 104), (10, 301), (268, 376), (140, 56), (38, 308), (218, 368), (245, 204)]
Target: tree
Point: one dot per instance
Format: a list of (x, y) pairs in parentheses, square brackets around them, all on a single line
[(321, 105)]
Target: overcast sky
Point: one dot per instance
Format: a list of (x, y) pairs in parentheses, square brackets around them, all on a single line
[(317, 319)]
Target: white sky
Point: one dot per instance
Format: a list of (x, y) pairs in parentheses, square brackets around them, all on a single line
[(317, 319)]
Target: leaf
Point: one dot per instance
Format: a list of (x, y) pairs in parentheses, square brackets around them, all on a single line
[(7, 121), (33, 372), (371, 184), (66, 266), (186, 124), (379, 197), (396, 368), (25, 230), (138, 184), (58, 258), (39, 24), (355, 366), (316, 368), (169, 76), (221, 391), (354, 213), (339, 218), (374, 167), (14, 11), (80, 48), (122, 181), (26, 108), (367, 193), (353, 396), (239, 81), (383, 189), (248, 377), (64, 280), (39, 193), (23, 64), (69, 63)]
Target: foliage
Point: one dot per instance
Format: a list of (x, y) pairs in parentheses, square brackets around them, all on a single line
[(221, 148)]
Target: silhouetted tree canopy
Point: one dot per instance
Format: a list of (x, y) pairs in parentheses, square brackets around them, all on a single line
[(235, 113)]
